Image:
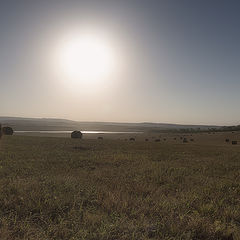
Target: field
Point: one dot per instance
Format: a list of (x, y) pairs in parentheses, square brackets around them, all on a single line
[(111, 189)]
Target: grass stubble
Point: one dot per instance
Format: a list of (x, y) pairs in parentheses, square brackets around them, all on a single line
[(59, 188)]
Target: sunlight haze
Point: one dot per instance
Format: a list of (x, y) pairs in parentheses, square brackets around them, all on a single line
[(123, 61)]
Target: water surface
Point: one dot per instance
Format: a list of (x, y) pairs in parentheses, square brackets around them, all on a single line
[(84, 132)]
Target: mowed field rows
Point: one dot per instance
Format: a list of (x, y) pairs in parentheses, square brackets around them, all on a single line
[(60, 188)]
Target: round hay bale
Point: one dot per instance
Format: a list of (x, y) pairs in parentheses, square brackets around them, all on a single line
[(132, 139), (146, 140), (7, 131), (100, 138), (76, 135)]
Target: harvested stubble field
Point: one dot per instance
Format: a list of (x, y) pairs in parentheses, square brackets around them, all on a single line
[(59, 188)]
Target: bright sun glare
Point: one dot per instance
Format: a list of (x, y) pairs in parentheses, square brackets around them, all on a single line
[(87, 58)]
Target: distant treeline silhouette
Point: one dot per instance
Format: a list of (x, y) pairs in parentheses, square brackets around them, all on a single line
[(197, 130)]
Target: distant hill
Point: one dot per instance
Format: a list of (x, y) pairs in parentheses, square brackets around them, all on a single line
[(48, 124)]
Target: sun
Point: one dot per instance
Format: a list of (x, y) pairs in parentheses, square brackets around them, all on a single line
[(87, 58)]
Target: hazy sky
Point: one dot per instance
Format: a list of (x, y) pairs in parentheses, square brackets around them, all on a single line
[(177, 61)]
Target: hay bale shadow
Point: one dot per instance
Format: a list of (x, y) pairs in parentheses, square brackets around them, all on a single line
[(80, 148)]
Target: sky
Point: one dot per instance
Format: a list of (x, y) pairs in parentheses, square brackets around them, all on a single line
[(175, 61)]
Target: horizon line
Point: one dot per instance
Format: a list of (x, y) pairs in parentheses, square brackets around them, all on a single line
[(117, 122)]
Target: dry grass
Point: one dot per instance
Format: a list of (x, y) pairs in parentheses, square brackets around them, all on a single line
[(56, 188)]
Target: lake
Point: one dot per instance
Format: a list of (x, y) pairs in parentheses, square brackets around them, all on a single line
[(84, 132)]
